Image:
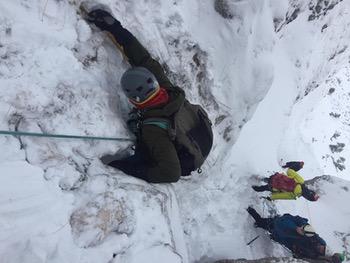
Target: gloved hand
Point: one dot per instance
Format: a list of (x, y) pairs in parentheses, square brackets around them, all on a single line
[(102, 19), (266, 197), (133, 122)]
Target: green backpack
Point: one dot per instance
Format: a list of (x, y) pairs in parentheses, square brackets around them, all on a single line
[(191, 131)]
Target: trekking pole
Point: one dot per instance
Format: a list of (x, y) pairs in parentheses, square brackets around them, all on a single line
[(62, 136), (308, 211), (251, 241)]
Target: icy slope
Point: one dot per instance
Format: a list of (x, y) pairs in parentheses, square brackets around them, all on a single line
[(60, 204)]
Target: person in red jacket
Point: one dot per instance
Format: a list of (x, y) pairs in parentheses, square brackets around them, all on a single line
[(287, 187)]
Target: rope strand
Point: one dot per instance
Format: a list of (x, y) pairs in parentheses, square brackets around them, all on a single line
[(62, 136)]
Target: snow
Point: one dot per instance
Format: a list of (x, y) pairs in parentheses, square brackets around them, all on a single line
[(273, 97), (31, 214)]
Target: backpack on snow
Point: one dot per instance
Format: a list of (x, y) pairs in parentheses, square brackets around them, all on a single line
[(282, 182)]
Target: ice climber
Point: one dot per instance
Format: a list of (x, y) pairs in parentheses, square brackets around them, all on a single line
[(290, 186), (296, 234), (174, 137)]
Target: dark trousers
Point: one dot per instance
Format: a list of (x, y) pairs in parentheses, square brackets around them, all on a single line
[(262, 188), (265, 223)]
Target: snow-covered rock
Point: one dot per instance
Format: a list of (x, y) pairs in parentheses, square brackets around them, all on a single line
[(95, 220)]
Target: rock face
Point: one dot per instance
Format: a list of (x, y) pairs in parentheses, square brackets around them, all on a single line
[(223, 8), (96, 219)]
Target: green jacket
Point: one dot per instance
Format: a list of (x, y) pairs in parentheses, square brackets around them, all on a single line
[(156, 141), (276, 194)]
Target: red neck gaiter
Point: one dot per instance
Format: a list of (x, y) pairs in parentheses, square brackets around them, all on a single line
[(161, 98)]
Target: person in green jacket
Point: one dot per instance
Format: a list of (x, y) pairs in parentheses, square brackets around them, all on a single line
[(158, 158), (289, 186)]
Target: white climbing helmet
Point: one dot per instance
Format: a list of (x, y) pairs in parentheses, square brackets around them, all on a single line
[(309, 231)]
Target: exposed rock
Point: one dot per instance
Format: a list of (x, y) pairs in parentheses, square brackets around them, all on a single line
[(334, 114), (339, 163), (337, 148), (95, 220), (223, 8), (331, 90), (320, 8)]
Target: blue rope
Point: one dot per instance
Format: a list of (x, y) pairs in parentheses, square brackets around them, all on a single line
[(62, 136)]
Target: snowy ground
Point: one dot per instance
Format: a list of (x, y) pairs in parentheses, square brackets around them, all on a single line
[(276, 88)]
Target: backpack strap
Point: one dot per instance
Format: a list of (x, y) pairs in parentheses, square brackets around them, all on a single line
[(162, 123)]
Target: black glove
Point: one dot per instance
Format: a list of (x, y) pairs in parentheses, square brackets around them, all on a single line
[(105, 21), (133, 122), (102, 19), (266, 197)]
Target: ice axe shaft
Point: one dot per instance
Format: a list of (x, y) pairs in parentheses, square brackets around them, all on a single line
[(251, 241)]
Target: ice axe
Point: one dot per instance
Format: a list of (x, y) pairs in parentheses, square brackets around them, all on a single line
[(251, 241)]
